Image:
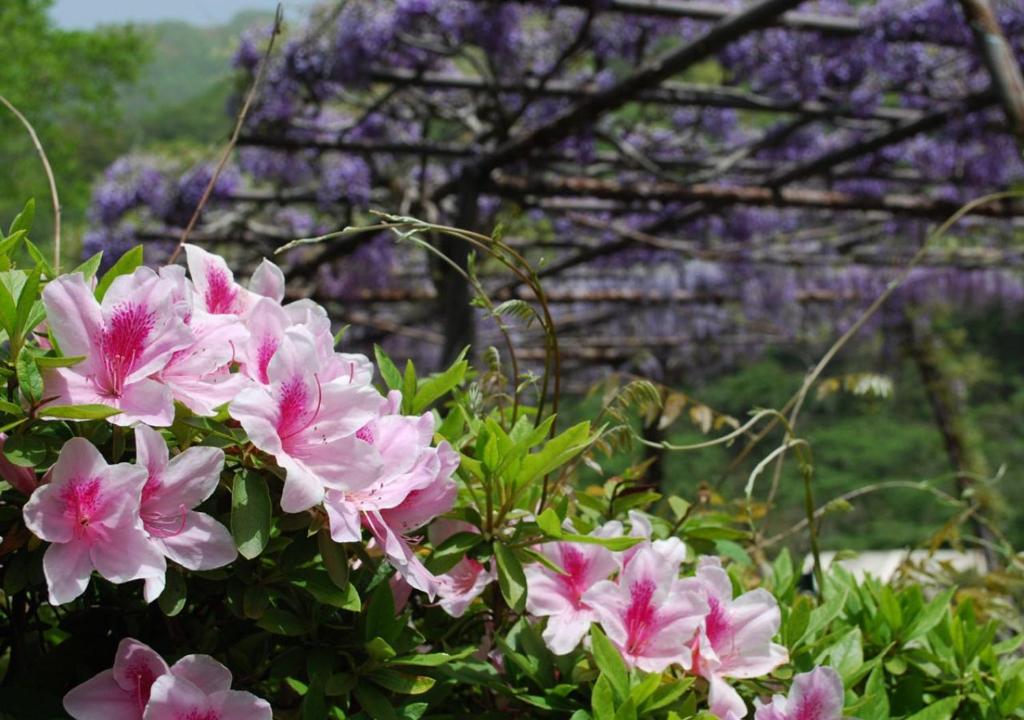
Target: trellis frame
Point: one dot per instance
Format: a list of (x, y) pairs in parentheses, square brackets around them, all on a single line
[(484, 166)]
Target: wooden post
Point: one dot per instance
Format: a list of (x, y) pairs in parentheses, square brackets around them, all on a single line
[(1007, 80), (948, 409), (453, 290)]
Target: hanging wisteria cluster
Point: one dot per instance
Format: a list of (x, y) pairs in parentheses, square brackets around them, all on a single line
[(748, 160)]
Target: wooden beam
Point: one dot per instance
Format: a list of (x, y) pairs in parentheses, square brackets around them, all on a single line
[(650, 75), (859, 148), (669, 93), (713, 194)]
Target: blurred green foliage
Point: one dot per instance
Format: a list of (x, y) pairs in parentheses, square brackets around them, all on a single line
[(859, 441), (66, 83)]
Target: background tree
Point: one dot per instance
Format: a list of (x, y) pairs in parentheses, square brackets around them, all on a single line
[(66, 82)]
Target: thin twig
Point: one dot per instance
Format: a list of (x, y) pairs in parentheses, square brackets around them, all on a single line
[(54, 199), (249, 99)]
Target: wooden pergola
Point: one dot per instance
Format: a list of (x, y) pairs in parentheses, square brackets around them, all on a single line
[(529, 169)]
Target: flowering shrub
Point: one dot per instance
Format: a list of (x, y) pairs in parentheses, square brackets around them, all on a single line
[(353, 540)]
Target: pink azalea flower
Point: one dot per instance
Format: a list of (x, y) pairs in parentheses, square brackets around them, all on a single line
[(199, 376), (192, 539), (125, 340), (672, 549), (355, 368), (89, 512), (559, 597), (650, 615), (20, 478), (460, 586), (267, 324), (735, 639), (815, 695), (199, 688), (218, 293), (268, 281), (413, 486), (122, 692), (464, 583), (308, 425), (140, 685)]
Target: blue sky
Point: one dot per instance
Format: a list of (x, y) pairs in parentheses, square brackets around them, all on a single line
[(82, 14)]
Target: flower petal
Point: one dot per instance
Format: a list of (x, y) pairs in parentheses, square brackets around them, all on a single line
[(204, 672), (724, 701), (73, 316), (101, 698), (202, 544), (146, 401), (268, 280), (173, 698), (564, 632), (151, 450), (188, 480), (126, 554), (44, 515), (238, 705), (67, 568)]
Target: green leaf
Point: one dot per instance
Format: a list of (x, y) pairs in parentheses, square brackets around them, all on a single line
[(940, 710), (451, 551), (8, 310), (783, 576), (438, 386), (668, 693), (374, 703), (615, 544), (39, 259), (847, 654), (797, 620), (402, 683), (555, 453), (388, 370), (314, 704), (380, 650), (602, 699), (822, 615), (282, 622), (23, 221), (679, 506), (626, 711), (549, 523), (642, 690), (52, 361), (27, 450), (319, 584), (78, 412), (250, 513), (30, 380), (125, 265), (929, 616), (408, 387), (8, 245), (511, 578), (11, 408), (426, 659), (172, 599), (609, 662), (380, 618), (28, 297), (90, 267), (876, 706), (334, 558)]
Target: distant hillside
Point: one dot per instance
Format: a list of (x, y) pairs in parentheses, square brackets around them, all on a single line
[(182, 91)]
